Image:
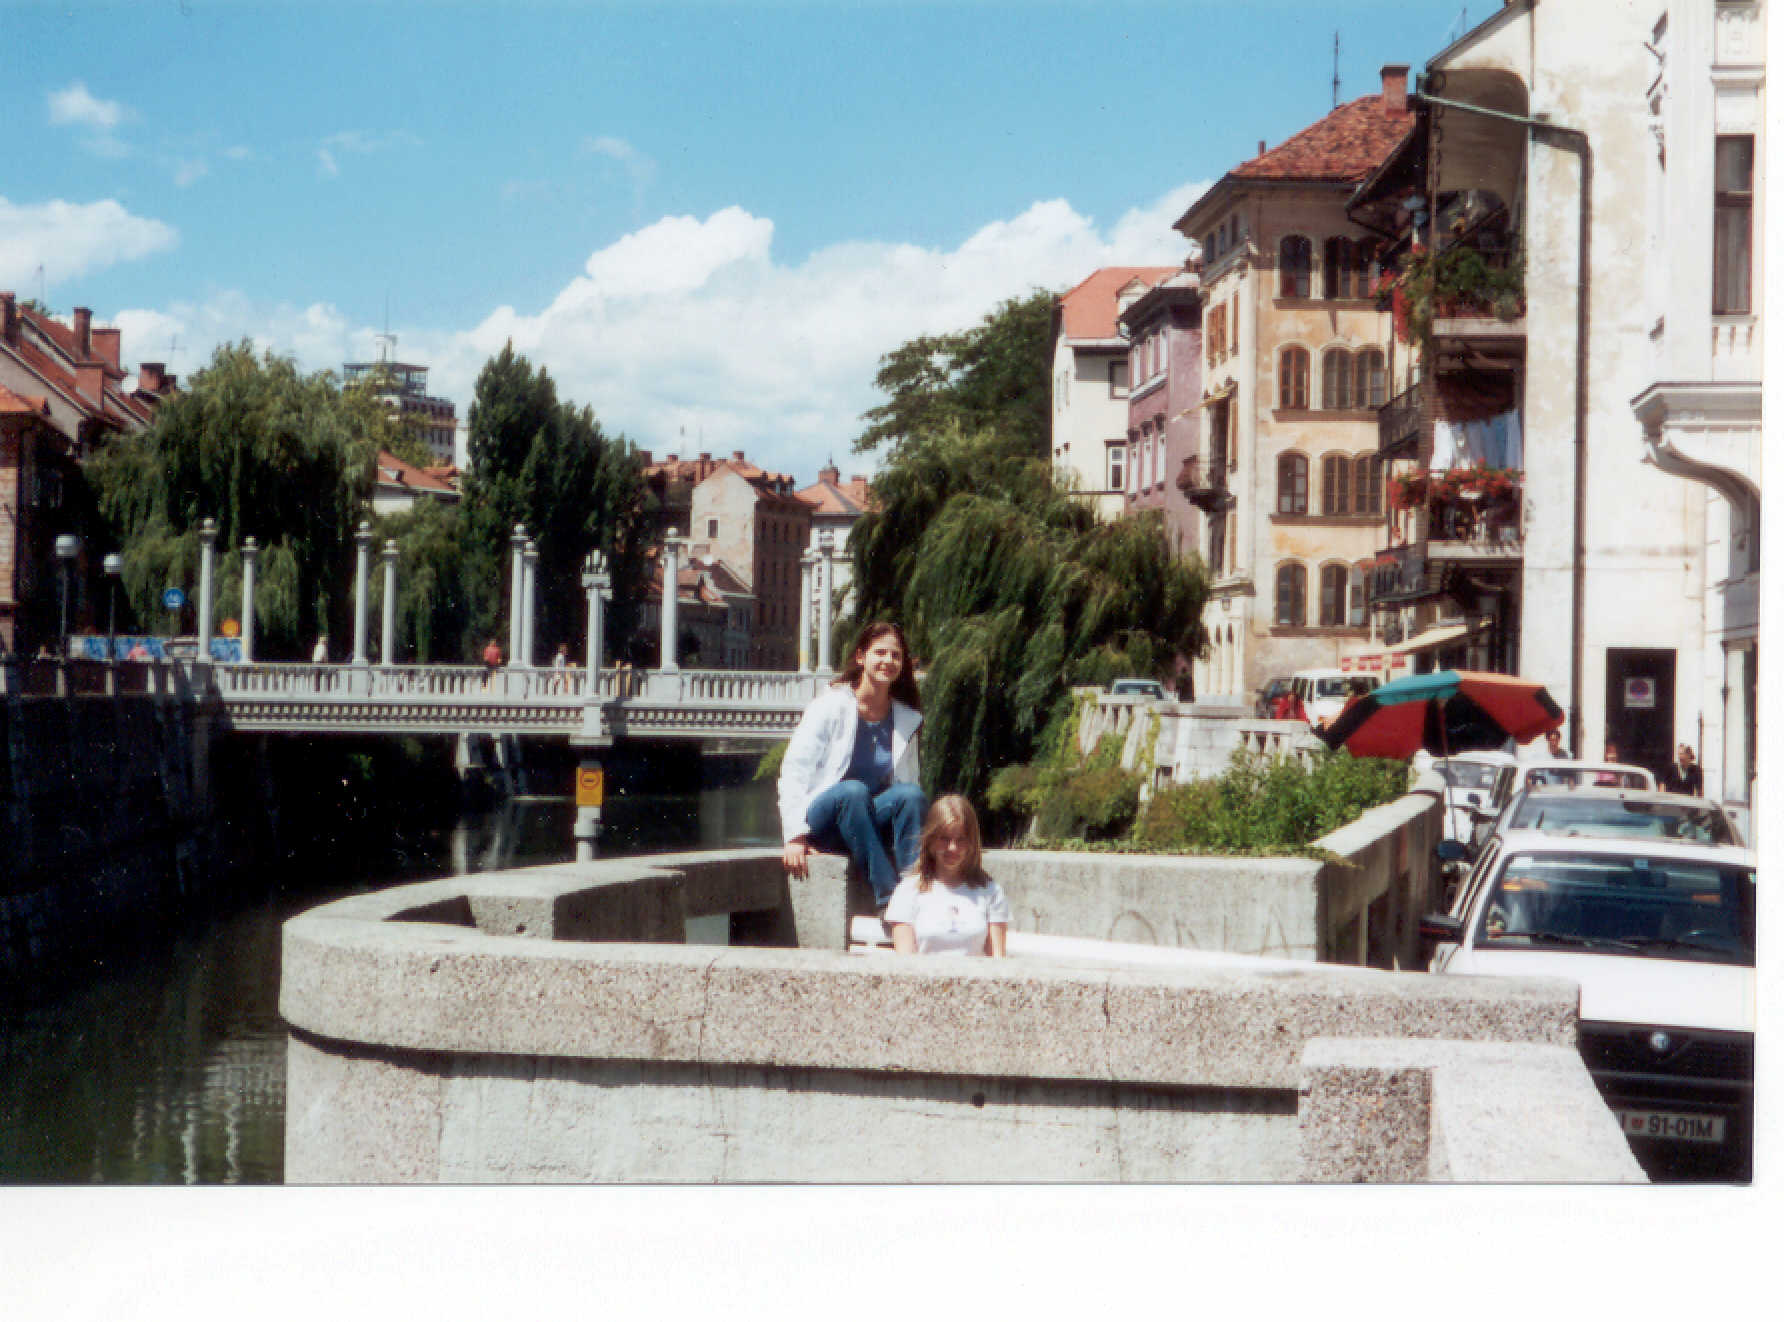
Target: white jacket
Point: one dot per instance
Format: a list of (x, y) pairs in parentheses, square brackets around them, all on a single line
[(822, 746)]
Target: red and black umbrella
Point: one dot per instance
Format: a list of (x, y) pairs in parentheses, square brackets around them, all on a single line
[(1447, 711)]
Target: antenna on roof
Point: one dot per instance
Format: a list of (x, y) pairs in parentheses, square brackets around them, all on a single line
[(386, 341), (173, 349), (1334, 71)]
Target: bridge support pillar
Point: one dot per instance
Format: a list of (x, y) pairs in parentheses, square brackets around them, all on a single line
[(207, 583), (250, 554), (517, 545), (590, 795), (362, 582), (387, 649), (529, 591)]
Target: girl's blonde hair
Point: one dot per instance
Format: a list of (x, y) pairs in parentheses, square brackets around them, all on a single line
[(951, 810)]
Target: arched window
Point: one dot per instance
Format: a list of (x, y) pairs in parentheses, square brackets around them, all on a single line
[(1334, 484), (1334, 379), (1295, 268), (1334, 595), (1291, 484), (1359, 596), (1370, 380), (1347, 268), (1366, 485), (1291, 593), (1293, 389)]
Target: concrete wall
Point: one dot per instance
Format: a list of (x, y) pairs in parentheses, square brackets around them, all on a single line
[(541, 1025)]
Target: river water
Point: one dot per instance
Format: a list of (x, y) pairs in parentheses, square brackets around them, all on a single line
[(168, 1065)]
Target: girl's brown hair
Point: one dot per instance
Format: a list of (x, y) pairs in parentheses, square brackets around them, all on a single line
[(951, 810), (904, 688)]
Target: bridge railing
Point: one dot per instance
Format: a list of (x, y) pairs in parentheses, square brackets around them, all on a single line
[(773, 689)]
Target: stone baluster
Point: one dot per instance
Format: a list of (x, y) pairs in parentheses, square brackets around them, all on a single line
[(362, 581), (387, 654), (671, 599), (250, 557), (517, 546), (207, 586)]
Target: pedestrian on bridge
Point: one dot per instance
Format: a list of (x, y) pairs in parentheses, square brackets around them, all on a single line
[(850, 774)]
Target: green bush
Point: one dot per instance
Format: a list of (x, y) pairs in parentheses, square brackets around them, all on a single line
[(769, 767), (1094, 804)]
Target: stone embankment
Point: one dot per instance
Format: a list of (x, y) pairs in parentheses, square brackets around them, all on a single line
[(550, 1024)]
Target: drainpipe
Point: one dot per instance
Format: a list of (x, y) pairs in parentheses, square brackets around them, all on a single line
[(1574, 140)]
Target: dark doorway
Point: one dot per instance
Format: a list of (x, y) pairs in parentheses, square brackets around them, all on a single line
[(1638, 705)]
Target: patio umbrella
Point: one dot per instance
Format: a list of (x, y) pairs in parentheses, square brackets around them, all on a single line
[(1447, 711)]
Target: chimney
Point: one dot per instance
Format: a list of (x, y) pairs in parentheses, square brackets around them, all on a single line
[(737, 455), (9, 318), (831, 474), (151, 378), (1260, 146), (89, 379), (83, 334), (1393, 87), (107, 345)]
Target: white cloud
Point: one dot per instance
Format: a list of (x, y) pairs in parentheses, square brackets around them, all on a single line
[(690, 325), (187, 173), (75, 107), (358, 142), (72, 239), (639, 168)]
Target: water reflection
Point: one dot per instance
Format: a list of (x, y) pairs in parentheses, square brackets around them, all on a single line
[(167, 1064)]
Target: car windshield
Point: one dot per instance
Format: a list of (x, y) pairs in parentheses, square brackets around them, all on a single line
[(1666, 908), (1467, 775), (1700, 822), (1136, 686), (1572, 778), (1341, 686)]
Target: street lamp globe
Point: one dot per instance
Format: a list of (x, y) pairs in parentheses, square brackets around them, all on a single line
[(68, 546)]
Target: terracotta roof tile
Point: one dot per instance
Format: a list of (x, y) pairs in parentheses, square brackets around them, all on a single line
[(393, 472), (11, 402), (1344, 146), (1087, 309)]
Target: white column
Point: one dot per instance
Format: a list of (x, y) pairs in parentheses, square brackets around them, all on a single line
[(595, 582), (250, 554), (362, 581), (824, 606), (805, 585), (388, 653), (671, 568), (207, 566), (517, 547), (529, 586)]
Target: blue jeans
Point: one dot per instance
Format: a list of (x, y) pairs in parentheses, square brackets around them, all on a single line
[(851, 818)]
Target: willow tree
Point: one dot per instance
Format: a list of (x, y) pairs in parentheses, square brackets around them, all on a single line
[(1012, 591), (269, 453), (548, 465)]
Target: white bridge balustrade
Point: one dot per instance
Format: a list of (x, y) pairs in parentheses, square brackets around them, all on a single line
[(588, 708)]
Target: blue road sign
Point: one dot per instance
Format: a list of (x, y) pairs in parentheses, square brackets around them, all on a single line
[(173, 599)]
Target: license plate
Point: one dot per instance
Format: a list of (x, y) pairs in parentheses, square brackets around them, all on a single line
[(1679, 1126)]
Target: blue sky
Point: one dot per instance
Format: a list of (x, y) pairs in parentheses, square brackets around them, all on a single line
[(706, 219)]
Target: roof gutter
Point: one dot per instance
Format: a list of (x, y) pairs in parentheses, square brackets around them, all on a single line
[(1539, 129)]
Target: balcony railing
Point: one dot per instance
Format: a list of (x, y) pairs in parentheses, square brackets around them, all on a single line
[(1398, 423), (1402, 574), (1203, 483)]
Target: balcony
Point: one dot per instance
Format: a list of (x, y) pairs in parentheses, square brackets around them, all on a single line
[(1399, 422), (1458, 292), (1472, 515), (1402, 575), (1203, 483)]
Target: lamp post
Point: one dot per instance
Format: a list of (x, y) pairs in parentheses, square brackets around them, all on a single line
[(68, 546), (114, 570)]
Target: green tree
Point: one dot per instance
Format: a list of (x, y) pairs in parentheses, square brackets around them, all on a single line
[(548, 465), (993, 377), (269, 453)]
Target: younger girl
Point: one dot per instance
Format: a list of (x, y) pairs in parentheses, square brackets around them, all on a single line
[(947, 905)]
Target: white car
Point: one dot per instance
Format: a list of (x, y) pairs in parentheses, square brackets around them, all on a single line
[(1137, 688), (1324, 693), (1651, 814), (1660, 937), (1467, 785), (1514, 777)]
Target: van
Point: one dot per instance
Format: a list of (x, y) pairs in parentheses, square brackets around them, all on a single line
[(1324, 693)]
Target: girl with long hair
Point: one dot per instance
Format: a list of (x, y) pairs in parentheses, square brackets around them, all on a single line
[(850, 774), (947, 905)]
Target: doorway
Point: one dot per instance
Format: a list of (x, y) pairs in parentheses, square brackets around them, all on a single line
[(1638, 705)]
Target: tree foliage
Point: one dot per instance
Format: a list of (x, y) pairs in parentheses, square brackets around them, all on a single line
[(547, 465), (269, 453), (980, 379)]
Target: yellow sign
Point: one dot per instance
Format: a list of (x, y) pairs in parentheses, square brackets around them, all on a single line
[(231, 628), (591, 787)]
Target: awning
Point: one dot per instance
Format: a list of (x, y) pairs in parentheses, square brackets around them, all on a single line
[(1424, 642), (1213, 396)]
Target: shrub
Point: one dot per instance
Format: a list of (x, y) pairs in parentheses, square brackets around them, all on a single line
[(1094, 804)]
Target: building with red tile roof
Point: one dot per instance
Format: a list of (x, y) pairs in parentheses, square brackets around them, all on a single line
[(35, 463), (1294, 366), (77, 368), (1090, 379), (398, 485)]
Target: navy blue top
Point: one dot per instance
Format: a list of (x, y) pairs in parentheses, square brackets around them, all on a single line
[(871, 761)]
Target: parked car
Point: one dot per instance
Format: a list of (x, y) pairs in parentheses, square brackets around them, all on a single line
[(1136, 688), (1659, 935), (1515, 777), (1649, 814), (1323, 693), (1467, 785), (1273, 689)]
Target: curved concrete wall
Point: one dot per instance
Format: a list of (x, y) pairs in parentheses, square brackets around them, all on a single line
[(480, 1029)]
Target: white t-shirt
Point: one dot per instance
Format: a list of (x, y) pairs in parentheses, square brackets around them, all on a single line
[(948, 920)]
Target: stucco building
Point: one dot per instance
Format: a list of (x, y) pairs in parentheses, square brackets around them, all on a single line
[(1294, 368), (751, 521), (1163, 328), (403, 389), (1089, 390)]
